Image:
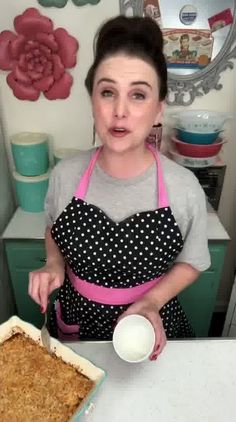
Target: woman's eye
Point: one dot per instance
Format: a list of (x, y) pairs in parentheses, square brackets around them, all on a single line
[(138, 96), (106, 93)]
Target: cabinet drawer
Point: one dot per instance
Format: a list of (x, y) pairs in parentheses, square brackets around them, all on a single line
[(217, 253), (23, 255)]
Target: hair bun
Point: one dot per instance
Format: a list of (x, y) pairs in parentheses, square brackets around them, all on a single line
[(144, 32)]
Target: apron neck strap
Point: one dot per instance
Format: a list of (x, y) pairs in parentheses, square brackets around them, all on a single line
[(84, 181), (82, 188)]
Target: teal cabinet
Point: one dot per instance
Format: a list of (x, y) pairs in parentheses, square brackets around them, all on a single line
[(198, 300), (23, 257)]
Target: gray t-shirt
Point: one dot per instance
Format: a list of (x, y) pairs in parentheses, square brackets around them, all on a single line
[(120, 198)]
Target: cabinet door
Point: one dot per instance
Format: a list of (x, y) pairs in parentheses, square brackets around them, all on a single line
[(198, 300), (24, 257)]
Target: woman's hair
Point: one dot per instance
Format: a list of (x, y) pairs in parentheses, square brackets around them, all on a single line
[(138, 37), (184, 37)]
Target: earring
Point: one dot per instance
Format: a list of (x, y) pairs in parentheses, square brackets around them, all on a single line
[(94, 135)]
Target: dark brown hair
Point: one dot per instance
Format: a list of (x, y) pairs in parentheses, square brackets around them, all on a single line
[(135, 36)]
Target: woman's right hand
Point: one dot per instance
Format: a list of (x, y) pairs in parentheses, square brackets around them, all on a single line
[(43, 281)]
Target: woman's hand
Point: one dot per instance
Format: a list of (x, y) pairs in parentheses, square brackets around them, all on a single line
[(149, 310), (43, 281)]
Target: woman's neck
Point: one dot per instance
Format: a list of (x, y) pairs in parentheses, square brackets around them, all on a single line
[(125, 165)]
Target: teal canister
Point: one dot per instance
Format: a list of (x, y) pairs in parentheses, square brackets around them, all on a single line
[(31, 191), (30, 153)]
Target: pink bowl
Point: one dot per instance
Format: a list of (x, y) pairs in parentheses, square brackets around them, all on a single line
[(198, 151)]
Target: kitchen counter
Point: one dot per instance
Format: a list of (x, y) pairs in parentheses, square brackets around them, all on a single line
[(27, 225), (191, 381)]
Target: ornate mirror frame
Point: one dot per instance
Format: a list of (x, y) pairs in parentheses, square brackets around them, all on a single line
[(183, 89)]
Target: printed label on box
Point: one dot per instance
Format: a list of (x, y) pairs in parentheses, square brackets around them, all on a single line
[(152, 9), (220, 20), (187, 47)]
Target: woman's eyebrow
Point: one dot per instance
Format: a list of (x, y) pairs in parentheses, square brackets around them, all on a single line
[(132, 83), (141, 83), (105, 80)]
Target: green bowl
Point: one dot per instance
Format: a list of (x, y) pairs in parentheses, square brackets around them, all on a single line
[(31, 191), (30, 153), (197, 138)]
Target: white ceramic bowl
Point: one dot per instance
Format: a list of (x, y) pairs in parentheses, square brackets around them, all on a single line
[(201, 121), (134, 338)]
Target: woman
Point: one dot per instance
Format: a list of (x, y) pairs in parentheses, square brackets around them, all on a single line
[(114, 246)]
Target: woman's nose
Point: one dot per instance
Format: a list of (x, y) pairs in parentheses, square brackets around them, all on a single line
[(120, 108)]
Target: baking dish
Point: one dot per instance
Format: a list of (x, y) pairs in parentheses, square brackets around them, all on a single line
[(15, 325)]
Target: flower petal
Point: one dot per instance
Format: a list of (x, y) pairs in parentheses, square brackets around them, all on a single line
[(31, 22), (17, 46), (20, 76), (22, 92), (6, 61), (68, 47), (44, 84), (48, 40), (58, 68), (61, 88), (55, 3)]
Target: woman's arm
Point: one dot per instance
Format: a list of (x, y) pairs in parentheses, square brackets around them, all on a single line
[(172, 283), (50, 277), (52, 251)]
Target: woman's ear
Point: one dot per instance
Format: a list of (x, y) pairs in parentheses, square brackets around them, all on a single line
[(160, 112)]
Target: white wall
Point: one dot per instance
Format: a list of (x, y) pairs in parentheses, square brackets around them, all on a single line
[(69, 121)]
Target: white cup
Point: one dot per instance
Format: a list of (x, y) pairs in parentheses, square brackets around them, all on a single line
[(134, 338)]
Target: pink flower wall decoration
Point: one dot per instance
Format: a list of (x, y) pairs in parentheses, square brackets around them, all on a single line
[(37, 57)]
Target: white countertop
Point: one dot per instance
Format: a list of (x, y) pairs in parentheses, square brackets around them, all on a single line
[(28, 225), (192, 381)]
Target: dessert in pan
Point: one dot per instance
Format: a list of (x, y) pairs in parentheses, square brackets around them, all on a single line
[(36, 385)]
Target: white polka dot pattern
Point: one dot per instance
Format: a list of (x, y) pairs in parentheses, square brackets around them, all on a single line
[(114, 255)]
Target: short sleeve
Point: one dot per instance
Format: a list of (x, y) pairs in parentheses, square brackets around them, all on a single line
[(50, 200), (195, 250)]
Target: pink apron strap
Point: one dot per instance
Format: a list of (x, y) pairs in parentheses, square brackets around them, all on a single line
[(163, 200), (84, 181), (109, 296)]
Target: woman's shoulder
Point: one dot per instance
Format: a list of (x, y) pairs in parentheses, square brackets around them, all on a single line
[(175, 172), (73, 166)]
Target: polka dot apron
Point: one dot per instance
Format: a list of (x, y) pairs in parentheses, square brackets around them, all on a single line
[(110, 265)]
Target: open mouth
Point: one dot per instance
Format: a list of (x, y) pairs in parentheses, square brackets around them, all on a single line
[(118, 132)]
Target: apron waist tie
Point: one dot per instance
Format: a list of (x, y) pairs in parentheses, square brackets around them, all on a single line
[(110, 296)]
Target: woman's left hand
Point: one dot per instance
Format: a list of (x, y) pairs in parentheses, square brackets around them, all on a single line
[(149, 310)]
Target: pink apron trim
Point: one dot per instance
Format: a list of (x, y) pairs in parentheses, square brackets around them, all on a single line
[(84, 181), (163, 200), (71, 331), (109, 296)]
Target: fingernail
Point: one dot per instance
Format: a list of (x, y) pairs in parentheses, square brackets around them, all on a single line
[(154, 357)]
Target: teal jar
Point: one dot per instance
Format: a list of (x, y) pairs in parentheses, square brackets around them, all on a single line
[(31, 191), (30, 153)]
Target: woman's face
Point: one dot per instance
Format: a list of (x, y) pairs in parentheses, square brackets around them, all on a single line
[(125, 102)]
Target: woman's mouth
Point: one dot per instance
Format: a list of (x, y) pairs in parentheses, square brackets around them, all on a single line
[(119, 132)]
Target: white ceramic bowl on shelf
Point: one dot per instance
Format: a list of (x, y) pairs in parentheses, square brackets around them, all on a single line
[(134, 338), (201, 121), (193, 162)]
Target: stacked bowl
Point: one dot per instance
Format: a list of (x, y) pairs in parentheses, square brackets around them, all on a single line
[(31, 175), (198, 137)]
